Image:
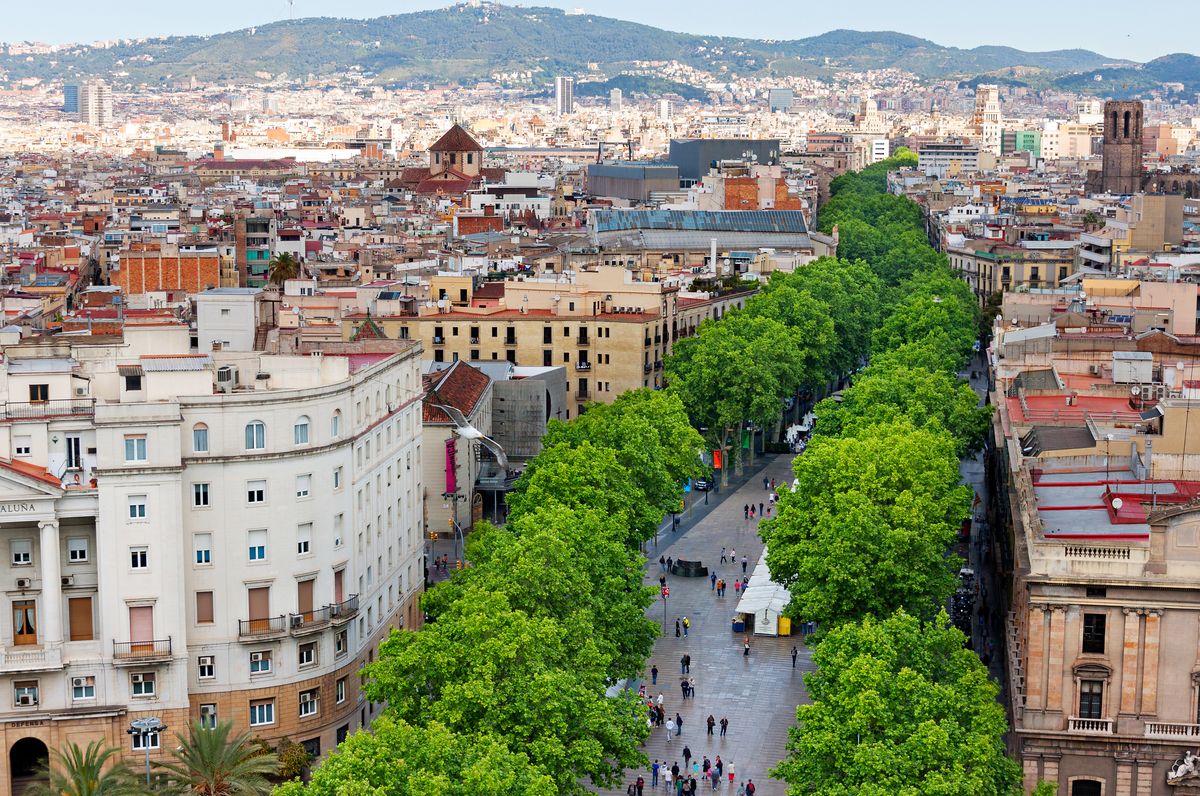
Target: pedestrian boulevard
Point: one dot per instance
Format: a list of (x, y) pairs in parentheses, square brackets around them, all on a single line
[(759, 693)]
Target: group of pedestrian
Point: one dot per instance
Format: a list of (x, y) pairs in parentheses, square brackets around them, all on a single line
[(686, 780), (688, 686), (682, 623)]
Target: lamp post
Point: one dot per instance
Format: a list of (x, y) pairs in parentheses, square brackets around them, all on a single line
[(144, 728)]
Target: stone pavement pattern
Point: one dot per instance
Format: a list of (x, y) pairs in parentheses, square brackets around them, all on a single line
[(758, 694)]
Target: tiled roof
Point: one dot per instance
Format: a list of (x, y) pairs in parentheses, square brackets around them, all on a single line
[(456, 139), (787, 221), (460, 386)]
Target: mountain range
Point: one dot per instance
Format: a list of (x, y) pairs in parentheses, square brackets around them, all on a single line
[(524, 46)]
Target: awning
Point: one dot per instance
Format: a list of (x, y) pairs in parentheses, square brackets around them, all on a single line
[(130, 370)]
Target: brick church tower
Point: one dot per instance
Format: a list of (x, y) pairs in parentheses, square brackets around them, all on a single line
[(1122, 169)]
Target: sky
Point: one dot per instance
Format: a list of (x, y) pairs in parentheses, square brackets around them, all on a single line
[(1116, 28)]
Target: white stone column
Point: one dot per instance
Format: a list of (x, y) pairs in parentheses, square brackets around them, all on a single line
[(51, 613)]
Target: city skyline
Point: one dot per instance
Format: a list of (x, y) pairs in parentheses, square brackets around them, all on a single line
[(1141, 38)]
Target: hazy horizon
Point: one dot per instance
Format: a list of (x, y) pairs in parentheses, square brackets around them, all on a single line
[(1141, 37)]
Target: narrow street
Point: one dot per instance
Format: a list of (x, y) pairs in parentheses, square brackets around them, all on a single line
[(759, 693)]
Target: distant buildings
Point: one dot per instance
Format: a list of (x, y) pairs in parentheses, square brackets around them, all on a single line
[(95, 103), (564, 95), (694, 156), (1121, 172), (780, 99), (70, 98), (988, 122), (615, 100)]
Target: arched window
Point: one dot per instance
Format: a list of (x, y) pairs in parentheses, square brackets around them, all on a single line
[(199, 438), (1127, 115), (1114, 125), (300, 431), (335, 424), (256, 436)]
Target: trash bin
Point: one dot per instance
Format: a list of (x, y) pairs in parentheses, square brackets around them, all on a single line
[(785, 626), (739, 626)]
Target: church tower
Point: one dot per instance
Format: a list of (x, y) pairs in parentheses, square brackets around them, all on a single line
[(1122, 168)]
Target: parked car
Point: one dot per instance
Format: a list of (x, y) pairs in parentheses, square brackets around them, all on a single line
[(702, 484)]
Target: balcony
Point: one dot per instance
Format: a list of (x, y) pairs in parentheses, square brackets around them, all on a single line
[(134, 652), (310, 621), (438, 339), (510, 341), (340, 613), (658, 365), (35, 410), (474, 339), (583, 340), (256, 629), (1159, 729), (583, 366), (1090, 726), (15, 660), (647, 367), (582, 395)]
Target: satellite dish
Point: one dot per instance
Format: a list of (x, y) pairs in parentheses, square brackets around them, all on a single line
[(1117, 503)]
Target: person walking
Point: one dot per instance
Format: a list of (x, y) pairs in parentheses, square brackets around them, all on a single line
[(687, 756), (722, 555), (712, 722), (795, 653), (667, 777), (691, 688), (746, 647), (670, 725), (724, 727), (683, 687), (679, 726), (654, 774), (745, 561), (712, 579), (760, 508), (662, 563), (653, 675), (720, 588), (716, 778), (683, 664), (731, 773), (737, 587), (752, 512), (687, 623), (765, 483), (772, 484), (660, 699), (741, 789), (641, 783), (746, 511), (677, 627), (750, 788), (719, 766)]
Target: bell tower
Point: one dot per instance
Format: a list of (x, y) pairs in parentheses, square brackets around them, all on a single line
[(1122, 167)]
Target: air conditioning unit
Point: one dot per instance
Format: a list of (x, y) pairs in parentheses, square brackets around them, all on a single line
[(306, 698), (297, 620), (68, 580), (227, 378), (26, 699), (80, 392), (24, 583), (335, 610), (256, 657), (205, 660), (78, 682), (136, 679)]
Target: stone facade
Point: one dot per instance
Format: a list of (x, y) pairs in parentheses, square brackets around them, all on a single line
[(1122, 169)]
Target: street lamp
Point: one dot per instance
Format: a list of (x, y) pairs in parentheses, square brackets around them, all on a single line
[(144, 728)]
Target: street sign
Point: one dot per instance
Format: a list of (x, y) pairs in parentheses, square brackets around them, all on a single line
[(666, 592)]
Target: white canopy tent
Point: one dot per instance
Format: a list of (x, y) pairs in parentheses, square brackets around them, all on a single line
[(764, 599)]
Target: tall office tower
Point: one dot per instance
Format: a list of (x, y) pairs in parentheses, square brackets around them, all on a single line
[(564, 95), (70, 98), (988, 120), (780, 99), (664, 110), (615, 99), (1121, 172), (95, 103)]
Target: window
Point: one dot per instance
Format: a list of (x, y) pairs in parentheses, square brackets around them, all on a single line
[(206, 667), (1093, 633), (1091, 699), (260, 662), (337, 530), (83, 688), (308, 702), (22, 552), (39, 393), (77, 550), (303, 538), (133, 383), (135, 448), (335, 424), (337, 477), (257, 545), (303, 485), (300, 431), (199, 438), (139, 557), (256, 436), (203, 544), (142, 683), (339, 690), (262, 712), (343, 733), (143, 742), (204, 608), (256, 491), (137, 507), (200, 496), (307, 654), (208, 716), (22, 446), (25, 693)]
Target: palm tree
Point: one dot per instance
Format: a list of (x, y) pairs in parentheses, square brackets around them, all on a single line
[(209, 762), (81, 772), (284, 266)]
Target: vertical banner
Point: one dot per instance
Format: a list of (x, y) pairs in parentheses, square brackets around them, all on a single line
[(451, 465), (717, 455)]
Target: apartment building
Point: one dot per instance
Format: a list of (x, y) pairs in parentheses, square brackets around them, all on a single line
[(222, 536)]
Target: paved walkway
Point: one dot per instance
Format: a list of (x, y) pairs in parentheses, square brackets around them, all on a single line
[(759, 693)]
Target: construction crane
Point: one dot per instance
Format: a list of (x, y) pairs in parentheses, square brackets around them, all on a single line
[(601, 144)]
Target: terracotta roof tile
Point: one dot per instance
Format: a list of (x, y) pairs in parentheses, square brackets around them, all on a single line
[(460, 386), (456, 139)]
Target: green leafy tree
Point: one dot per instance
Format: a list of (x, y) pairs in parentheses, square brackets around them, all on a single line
[(1046, 789), (867, 528), (931, 320), (899, 709), (95, 771), (282, 267), (218, 762), (850, 292), (294, 759), (397, 757), (808, 320), (484, 668)]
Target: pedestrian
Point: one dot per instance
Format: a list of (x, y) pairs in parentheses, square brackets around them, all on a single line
[(746, 511), (719, 766), (662, 580), (720, 588), (654, 676), (695, 771), (752, 512), (772, 484), (732, 556), (683, 687), (660, 699), (722, 555), (737, 587), (691, 688), (683, 664), (686, 624), (687, 663), (746, 647), (641, 783), (670, 729), (795, 652), (679, 726), (724, 728), (731, 773), (760, 508), (764, 483), (706, 765), (712, 579), (662, 563), (750, 789), (741, 789), (631, 790), (712, 722), (676, 627), (675, 770), (667, 777), (687, 756), (670, 564), (745, 561)]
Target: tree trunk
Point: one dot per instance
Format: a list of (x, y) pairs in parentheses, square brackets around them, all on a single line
[(737, 446)]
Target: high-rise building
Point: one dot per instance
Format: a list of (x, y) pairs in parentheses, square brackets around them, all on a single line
[(615, 99), (780, 99), (70, 98), (664, 110), (1121, 172), (95, 103), (988, 120), (564, 95)]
